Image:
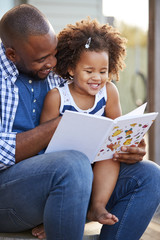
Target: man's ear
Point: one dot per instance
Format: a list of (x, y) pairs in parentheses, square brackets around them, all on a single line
[(11, 54)]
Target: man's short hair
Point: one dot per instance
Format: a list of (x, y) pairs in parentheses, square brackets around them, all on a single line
[(22, 21)]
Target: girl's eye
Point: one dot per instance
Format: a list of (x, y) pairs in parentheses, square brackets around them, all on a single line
[(88, 71), (102, 72)]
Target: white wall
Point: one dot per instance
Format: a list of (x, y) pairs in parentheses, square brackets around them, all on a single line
[(62, 12), (5, 6)]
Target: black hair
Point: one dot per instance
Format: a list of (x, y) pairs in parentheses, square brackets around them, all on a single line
[(22, 21), (72, 40)]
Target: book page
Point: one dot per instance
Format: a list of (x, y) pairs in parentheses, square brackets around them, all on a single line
[(80, 131), (126, 132), (138, 111)]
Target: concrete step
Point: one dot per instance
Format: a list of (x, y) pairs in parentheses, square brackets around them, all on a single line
[(91, 232)]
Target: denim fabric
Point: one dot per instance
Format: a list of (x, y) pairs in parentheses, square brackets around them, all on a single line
[(51, 188), (134, 201), (55, 189)]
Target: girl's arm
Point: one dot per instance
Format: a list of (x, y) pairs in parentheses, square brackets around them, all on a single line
[(51, 106), (113, 107)]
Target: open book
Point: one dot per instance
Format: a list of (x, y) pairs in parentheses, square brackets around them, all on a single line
[(99, 137)]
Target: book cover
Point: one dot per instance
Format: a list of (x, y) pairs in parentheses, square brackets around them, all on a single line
[(100, 137)]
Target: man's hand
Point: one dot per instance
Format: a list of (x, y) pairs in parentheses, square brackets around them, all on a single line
[(131, 154)]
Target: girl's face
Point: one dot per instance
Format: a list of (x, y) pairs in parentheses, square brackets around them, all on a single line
[(91, 72)]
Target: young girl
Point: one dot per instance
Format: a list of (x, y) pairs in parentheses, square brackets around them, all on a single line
[(89, 56)]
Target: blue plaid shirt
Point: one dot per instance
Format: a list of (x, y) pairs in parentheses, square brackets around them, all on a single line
[(8, 107)]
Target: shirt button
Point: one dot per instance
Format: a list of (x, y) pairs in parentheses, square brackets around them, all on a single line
[(34, 110), (32, 90), (30, 81), (34, 100)]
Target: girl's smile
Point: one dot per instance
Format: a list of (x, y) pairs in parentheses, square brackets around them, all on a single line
[(90, 73)]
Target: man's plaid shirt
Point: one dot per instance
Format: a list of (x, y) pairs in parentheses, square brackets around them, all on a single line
[(8, 107)]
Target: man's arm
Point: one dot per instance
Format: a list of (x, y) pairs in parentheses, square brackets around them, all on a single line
[(131, 154), (31, 142)]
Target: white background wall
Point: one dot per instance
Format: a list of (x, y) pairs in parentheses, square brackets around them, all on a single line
[(5, 5), (62, 12)]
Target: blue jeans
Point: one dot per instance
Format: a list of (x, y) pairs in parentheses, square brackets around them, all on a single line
[(50, 188), (55, 189), (134, 201)]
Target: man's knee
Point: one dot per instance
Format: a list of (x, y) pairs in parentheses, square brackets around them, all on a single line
[(153, 173), (78, 167), (81, 172), (73, 166), (150, 177)]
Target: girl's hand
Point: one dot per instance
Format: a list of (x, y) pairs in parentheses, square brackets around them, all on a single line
[(131, 154)]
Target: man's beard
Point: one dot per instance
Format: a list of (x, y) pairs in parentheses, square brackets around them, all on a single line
[(22, 69), (31, 74)]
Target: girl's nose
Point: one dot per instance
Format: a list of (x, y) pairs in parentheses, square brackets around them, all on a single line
[(96, 77)]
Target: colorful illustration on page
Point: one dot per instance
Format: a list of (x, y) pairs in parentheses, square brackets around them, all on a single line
[(126, 134)]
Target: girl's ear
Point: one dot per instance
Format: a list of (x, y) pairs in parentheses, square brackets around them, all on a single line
[(71, 72), (11, 54)]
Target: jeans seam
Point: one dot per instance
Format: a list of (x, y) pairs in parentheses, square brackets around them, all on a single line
[(134, 178), (14, 213), (62, 202), (124, 216), (129, 203), (22, 179)]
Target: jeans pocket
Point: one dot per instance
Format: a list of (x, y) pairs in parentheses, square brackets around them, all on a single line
[(11, 222)]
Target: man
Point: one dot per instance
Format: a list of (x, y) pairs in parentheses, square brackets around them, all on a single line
[(54, 189)]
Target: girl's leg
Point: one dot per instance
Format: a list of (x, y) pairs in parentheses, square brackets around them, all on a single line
[(53, 189), (105, 178), (134, 201)]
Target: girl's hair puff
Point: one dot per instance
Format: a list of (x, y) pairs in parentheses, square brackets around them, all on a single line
[(72, 40)]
